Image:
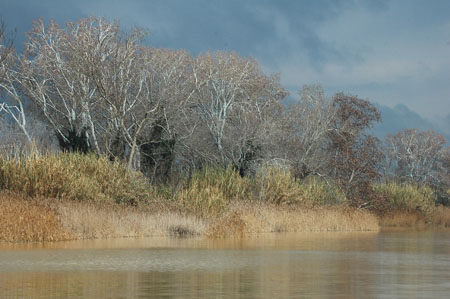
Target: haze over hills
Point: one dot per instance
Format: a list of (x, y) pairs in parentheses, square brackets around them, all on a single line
[(401, 117), (394, 119)]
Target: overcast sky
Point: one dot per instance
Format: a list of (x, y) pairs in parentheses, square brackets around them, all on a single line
[(390, 52)]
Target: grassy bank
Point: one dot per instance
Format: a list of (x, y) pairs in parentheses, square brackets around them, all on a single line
[(412, 207), (42, 219), (73, 196)]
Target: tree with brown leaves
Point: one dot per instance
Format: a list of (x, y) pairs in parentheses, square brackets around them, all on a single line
[(354, 156)]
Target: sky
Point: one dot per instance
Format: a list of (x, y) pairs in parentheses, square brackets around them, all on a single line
[(393, 53)]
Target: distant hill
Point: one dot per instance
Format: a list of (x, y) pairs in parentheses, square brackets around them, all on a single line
[(401, 117)]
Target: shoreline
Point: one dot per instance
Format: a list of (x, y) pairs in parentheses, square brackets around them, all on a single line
[(58, 220), (43, 220)]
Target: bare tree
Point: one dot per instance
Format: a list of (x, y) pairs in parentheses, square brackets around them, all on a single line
[(12, 97), (6, 43), (170, 78), (443, 189), (306, 125), (92, 83), (415, 156), (232, 99), (55, 79)]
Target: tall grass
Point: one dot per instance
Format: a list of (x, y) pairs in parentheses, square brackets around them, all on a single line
[(250, 218), (209, 191), (407, 197), (212, 201), (24, 220), (72, 176), (278, 186)]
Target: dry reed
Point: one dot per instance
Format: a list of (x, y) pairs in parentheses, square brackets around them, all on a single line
[(104, 220), (438, 217), (24, 220), (403, 219), (211, 191), (249, 218), (51, 220)]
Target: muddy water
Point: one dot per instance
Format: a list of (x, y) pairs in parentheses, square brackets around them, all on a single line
[(330, 265)]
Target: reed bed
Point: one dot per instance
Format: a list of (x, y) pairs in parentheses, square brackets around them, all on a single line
[(403, 219), (407, 197), (210, 192), (72, 176), (103, 220), (412, 206), (24, 220), (53, 220), (72, 196), (440, 217), (250, 218)]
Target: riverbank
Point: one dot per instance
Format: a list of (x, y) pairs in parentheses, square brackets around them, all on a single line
[(40, 219), (438, 218), (43, 219), (70, 196)]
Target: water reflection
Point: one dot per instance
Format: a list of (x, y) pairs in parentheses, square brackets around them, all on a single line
[(387, 264)]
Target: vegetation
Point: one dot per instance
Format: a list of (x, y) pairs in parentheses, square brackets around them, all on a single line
[(208, 138), (407, 197), (72, 176)]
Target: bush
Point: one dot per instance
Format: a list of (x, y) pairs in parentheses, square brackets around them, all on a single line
[(407, 197), (209, 191), (73, 176), (316, 191), (278, 186)]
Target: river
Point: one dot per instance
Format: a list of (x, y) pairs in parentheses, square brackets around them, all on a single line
[(293, 265)]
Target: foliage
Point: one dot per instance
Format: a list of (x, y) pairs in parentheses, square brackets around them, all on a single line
[(354, 155), (319, 192), (73, 176), (209, 191), (407, 197), (278, 186)]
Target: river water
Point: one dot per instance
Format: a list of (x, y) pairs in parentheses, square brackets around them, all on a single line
[(300, 265)]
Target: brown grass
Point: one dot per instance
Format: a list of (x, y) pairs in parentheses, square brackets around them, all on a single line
[(24, 220), (250, 218), (403, 219), (438, 217), (50, 220), (108, 220)]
